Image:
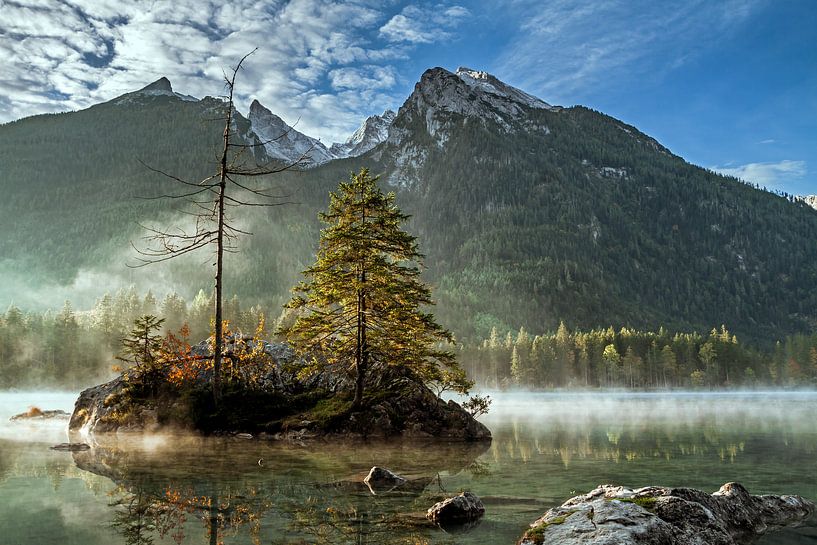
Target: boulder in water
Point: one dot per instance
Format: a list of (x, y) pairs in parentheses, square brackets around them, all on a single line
[(381, 479), (666, 516), (71, 447), (463, 508)]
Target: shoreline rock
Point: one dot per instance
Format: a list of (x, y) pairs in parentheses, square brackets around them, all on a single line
[(666, 516)]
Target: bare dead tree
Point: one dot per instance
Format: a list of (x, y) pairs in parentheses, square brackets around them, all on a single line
[(230, 186)]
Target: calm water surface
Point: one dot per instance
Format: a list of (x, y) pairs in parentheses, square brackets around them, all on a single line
[(546, 448)]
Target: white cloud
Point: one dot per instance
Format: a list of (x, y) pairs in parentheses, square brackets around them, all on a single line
[(423, 25), (770, 175), (367, 77), (317, 60)]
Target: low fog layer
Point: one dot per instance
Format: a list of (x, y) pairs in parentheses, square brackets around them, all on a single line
[(35, 430), (635, 409)]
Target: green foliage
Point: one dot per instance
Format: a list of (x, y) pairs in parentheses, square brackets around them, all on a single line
[(652, 359), (361, 307), (477, 405), (142, 350), (69, 349)]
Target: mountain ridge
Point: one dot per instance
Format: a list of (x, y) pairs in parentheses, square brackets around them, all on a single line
[(528, 214)]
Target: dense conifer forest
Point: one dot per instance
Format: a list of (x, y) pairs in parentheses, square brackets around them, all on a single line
[(70, 348)]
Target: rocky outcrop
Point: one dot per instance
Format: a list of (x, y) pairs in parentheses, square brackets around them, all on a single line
[(666, 516), (465, 507), (281, 405), (108, 408)]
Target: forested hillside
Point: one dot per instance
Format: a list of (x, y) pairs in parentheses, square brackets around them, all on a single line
[(527, 219)]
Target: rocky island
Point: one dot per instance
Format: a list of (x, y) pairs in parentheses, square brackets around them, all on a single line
[(278, 405)]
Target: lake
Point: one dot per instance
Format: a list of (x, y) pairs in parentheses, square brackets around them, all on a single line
[(546, 448)]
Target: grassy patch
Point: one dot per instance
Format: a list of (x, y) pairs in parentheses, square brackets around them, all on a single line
[(647, 502), (537, 534)]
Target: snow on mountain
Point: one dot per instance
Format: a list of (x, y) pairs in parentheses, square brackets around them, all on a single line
[(282, 141), (810, 200), (492, 86), (160, 87), (438, 94), (467, 93), (373, 131)]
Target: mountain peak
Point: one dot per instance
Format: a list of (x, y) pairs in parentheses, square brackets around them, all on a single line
[(161, 84), (281, 140), (373, 131), (472, 93)]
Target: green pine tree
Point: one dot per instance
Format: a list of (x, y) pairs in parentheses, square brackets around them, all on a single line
[(141, 349), (361, 307)]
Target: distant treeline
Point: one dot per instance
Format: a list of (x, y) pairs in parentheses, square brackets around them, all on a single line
[(629, 358), (72, 349)]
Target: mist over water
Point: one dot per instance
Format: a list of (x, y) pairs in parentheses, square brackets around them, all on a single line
[(36, 430), (669, 409), (547, 447)]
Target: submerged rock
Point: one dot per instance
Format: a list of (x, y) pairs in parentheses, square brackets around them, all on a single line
[(71, 447), (463, 508), (666, 516)]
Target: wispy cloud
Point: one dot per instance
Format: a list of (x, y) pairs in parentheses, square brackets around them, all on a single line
[(564, 47), (326, 62), (423, 24), (770, 175)]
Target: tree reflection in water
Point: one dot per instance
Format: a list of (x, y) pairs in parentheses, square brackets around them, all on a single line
[(306, 495)]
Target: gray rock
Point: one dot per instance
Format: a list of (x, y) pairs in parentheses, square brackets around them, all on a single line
[(381, 479), (460, 509), (71, 447), (617, 515)]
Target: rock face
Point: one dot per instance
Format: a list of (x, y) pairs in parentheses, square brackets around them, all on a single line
[(283, 142), (105, 408), (373, 131), (463, 508), (666, 516)]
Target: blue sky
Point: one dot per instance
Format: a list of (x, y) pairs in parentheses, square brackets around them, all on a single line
[(729, 85)]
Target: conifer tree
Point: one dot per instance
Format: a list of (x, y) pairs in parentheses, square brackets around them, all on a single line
[(141, 349), (361, 307)]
